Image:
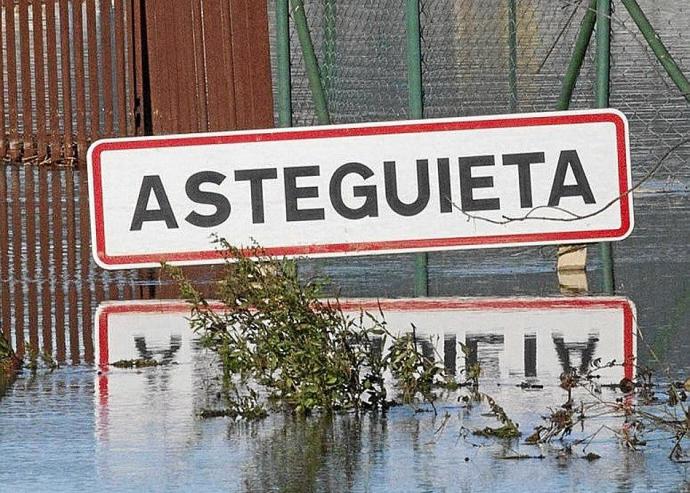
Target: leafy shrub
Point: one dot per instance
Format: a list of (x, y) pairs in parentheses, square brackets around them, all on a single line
[(276, 333)]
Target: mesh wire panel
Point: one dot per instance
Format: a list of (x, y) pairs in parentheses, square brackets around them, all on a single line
[(360, 46), (659, 114), (466, 52)]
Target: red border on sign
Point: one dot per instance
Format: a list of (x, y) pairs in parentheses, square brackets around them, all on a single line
[(421, 304), (365, 247)]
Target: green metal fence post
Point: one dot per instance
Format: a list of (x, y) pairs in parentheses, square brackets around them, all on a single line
[(414, 60), (310, 62), (283, 62), (658, 47), (512, 59), (584, 36), (416, 111), (603, 64)]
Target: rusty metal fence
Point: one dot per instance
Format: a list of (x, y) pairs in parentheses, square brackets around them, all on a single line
[(71, 72), (69, 76), (49, 284)]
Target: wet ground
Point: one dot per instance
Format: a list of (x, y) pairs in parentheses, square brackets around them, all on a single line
[(138, 430)]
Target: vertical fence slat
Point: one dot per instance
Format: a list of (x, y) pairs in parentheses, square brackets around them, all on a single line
[(219, 83), (3, 130), (128, 292), (66, 78), (94, 104), (130, 60), (39, 82), (107, 61), (5, 314), (138, 109), (44, 246), (181, 30), (25, 60), (30, 215), (13, 110), (240, 75), (261, 84), (72, 306), (167, 41), (245, 19), (78, 40), (99, 289), (112, 289), (85, 270), (120, 69), (57, 238), (158, 26), (52, 74), (17, 261), (200, 58)]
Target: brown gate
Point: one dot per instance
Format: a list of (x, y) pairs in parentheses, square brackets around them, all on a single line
[(208, 65), (77, 70)]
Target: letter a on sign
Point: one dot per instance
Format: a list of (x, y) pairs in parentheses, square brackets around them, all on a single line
[(482, 182)]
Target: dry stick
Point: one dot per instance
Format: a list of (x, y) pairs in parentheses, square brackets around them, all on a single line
[(588, 439), (574, 216), (658, 360), (671, 423)]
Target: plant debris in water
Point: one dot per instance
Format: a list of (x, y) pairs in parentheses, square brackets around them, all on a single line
[(136, 363), (305, 354), (509, 428), (244, 407), (9, 362), (34, 355)]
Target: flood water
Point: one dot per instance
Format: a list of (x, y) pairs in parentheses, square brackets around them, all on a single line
[(76, 429)]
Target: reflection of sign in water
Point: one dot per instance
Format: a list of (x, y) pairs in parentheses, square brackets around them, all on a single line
[(145, 419), (517, 337), (143, 329), (361, 189)]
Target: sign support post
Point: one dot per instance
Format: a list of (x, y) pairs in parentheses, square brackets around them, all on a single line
[(572, 257), (415, 112), (603, 70)]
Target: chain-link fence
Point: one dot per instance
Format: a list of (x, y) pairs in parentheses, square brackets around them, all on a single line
[(466, 64)]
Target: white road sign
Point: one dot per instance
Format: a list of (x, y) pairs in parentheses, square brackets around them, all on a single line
[(423, 185)]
